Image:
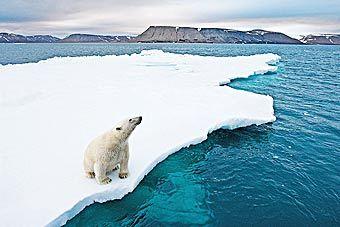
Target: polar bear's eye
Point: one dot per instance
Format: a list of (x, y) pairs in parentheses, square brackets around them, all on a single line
[(118, 128), (130, 120)]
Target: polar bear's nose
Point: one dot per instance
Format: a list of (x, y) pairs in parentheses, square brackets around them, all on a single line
[(138, 120)]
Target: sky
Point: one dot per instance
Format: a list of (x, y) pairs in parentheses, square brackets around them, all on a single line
[(131, 17)]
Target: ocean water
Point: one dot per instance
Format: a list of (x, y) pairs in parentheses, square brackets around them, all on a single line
[(286, 173)]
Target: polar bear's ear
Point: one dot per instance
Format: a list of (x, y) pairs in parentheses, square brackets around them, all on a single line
[(118, 128)]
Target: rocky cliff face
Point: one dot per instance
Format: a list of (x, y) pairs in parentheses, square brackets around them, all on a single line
[(321, 39), (86, 38), (212, 35), (15, 38)]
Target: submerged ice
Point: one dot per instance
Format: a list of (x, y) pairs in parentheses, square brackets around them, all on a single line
[(51, 110)]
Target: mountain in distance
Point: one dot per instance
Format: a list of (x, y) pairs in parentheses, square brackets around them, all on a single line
[(326, 39), (14, 38), (87, 38), (170, 34), (74, 38), (212, 35)]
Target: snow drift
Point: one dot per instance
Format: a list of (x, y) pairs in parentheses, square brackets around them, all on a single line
[(50, 111)]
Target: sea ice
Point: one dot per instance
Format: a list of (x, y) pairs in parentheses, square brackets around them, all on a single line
[(51, 110)]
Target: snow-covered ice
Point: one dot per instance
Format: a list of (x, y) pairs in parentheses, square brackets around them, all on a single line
[(50, 111)]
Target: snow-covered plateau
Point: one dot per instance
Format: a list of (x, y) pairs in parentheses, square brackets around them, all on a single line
[(51, 110)]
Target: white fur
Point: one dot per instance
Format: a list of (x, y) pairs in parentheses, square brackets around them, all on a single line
[(106, 151)]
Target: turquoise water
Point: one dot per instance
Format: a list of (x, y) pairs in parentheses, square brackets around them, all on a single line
[(282, 174)]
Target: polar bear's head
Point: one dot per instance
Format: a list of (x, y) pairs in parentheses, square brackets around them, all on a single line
[(124, 129)]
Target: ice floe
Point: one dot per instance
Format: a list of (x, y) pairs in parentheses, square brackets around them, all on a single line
[(51, 110)]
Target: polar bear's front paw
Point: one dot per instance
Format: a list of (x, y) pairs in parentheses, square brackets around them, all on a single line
[(123, 175), (105, 181)]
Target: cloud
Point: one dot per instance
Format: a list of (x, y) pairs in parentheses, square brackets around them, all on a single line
[(133, 16), (217, 11)]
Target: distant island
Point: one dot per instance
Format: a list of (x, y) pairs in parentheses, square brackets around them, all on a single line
[(170, 34)]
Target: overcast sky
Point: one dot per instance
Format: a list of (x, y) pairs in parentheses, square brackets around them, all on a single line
[(63, 17)]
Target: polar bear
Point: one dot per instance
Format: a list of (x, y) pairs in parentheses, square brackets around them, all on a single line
[(105, 152)]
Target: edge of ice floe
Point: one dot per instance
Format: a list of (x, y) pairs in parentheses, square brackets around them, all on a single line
[(115, 194)]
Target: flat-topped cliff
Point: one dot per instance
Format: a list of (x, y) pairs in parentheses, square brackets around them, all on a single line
[(212, 35)]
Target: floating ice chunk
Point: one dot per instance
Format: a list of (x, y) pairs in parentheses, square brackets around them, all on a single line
[(51, 110)]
